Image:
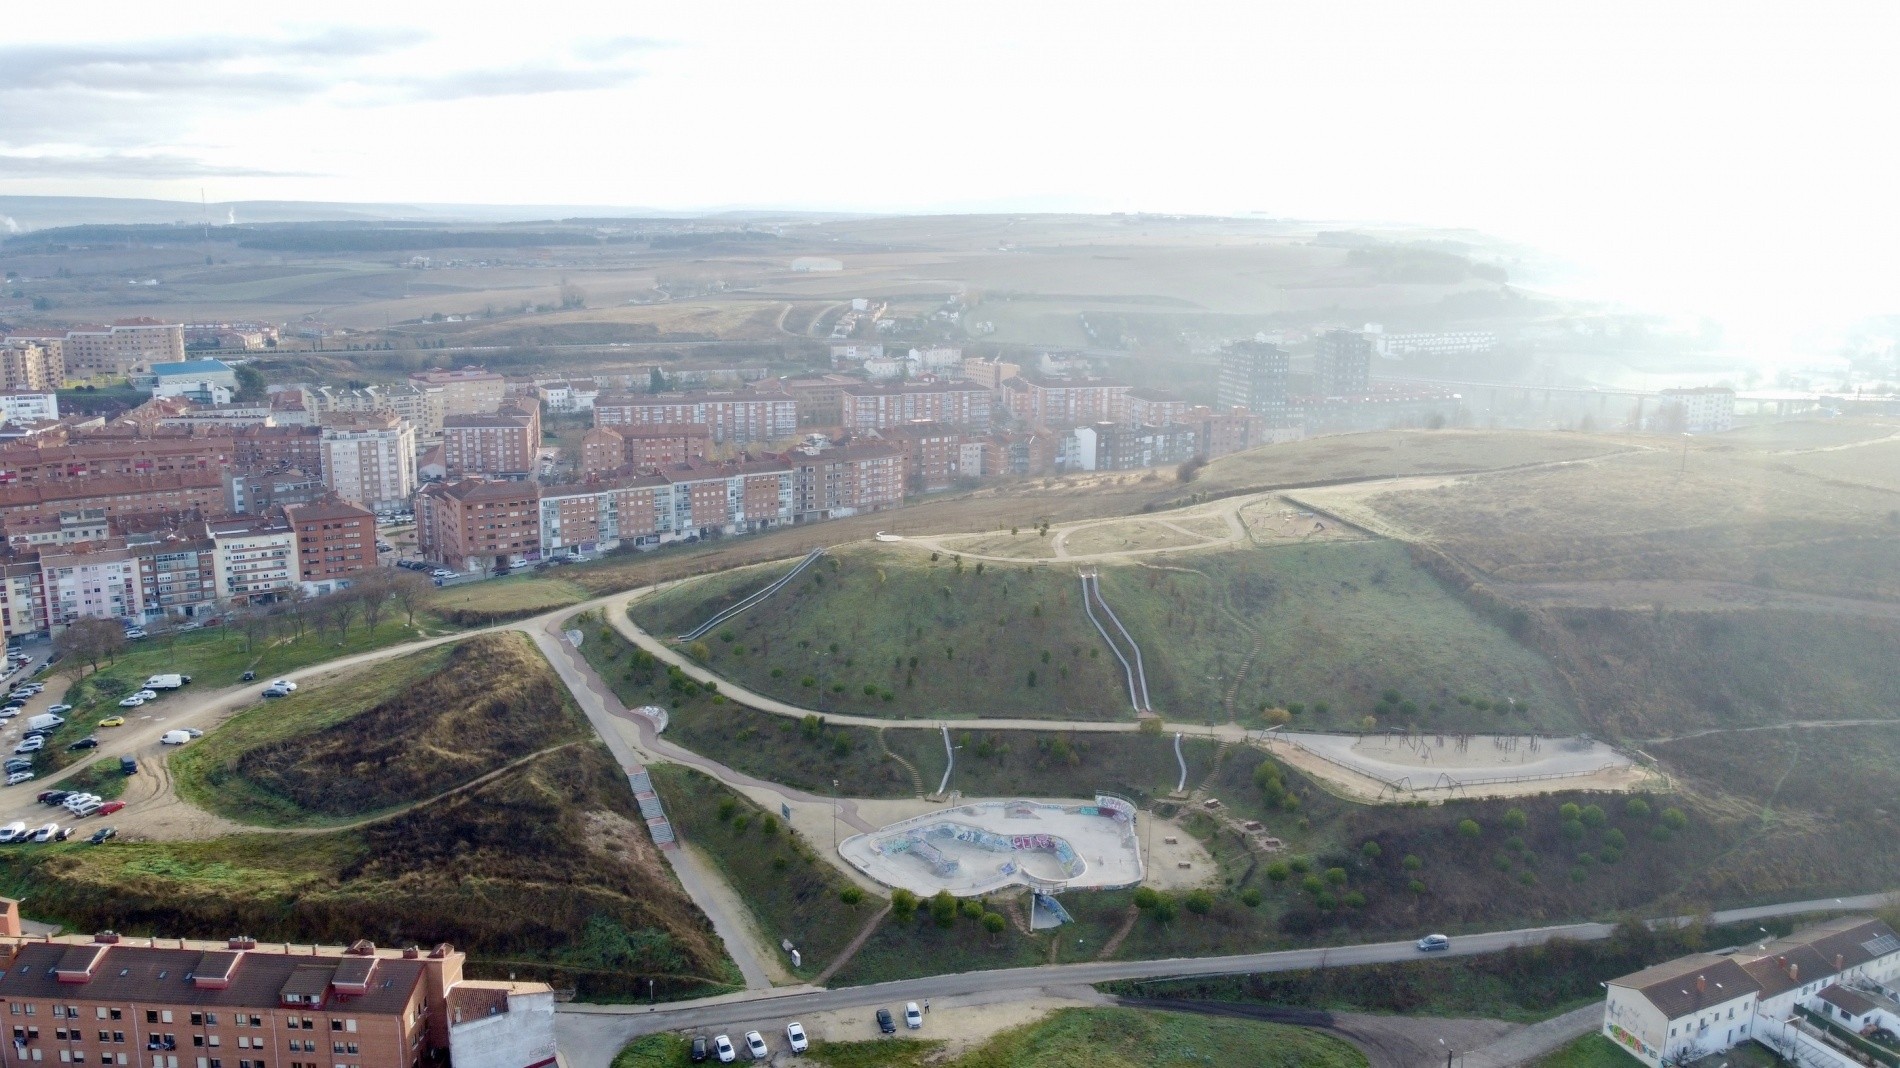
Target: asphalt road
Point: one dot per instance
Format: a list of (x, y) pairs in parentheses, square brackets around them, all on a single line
[(589, 1035)]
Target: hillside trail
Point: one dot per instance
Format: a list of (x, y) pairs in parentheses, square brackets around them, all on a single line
[(1227, 510)]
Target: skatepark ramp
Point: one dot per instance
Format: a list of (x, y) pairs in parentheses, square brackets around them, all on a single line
[(701, 631)]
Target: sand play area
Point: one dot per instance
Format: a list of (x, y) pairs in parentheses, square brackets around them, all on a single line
[(980, 847)]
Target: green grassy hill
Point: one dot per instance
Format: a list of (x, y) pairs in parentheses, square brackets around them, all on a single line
[(390, 735), (1339, 625)]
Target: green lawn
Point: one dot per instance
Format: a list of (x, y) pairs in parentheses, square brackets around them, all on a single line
[(1344, 630), (1590, 1051), (500, 600), (944, 640), (790, 891), (214, 657)]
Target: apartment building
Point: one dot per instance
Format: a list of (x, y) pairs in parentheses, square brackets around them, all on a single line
[(476, 524), (1060, 403), (1342, 364), (1120, 447), (1806, 996), (28, 405), (872, 407), (86, 524), (369, 458), (1703, 410), (1021, 452), (182, 494), (504, 445), (1222, 433), (201, 418), (734, 417), (990, 374), (730, 497), (422, 407), (254, 557), (820, 398), (837, 482), (336, 543), (111, 1000), (1253, 375), (90, 580), (568, 395), (1153, 407), (607, 450), (931, 453), (26, 462), (465, 391), (121, 348), (178, 575), (580, 520), (30, 364), (279, 448)]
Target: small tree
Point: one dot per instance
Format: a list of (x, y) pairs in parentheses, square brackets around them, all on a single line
[(851, 895), (1145, 897), (1470, 829), (994, 923), (1636, 808), (410, 590), (903, 905), (1277, 872), (1569, 811), (1336, 876), (1250, 898), (1411, 862), (1514, 819), (1199, 902), (1671, 818), (1592, 816), (1370, 851), (943, 908)]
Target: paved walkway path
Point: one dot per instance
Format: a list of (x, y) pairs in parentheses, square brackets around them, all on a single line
[(1530, 1043)]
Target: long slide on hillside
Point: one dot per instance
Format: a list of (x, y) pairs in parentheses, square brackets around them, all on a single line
[(701, 631), (1125, 650)]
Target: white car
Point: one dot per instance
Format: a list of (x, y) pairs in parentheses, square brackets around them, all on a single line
[(41, 834), (755, 1045), (795, 1034), (149, 695), (722, 1046), (31, 745), (285, 685), (16, 779), (12, 831), (913, 1016), (8, 713), (133, 701), (57, 709)]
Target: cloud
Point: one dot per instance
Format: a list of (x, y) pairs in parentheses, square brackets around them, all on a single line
[(127, 166), (513, 81)]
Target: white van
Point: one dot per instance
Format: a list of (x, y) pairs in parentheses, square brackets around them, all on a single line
[(166, 682), (175, 738), (44, 720), (12, 831)]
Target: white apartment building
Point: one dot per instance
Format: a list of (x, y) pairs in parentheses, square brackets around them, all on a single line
[(369, 458), (1705, 410), (1806, 996), (255, 558), (86, 583), (1433, 344), (28, 406)]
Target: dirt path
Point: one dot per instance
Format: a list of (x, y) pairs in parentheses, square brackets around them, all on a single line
[(844, 956), (1121, 934), (1687, 595), (1789, 725)]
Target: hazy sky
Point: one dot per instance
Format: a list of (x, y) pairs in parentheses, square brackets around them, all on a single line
[(1723, 156)]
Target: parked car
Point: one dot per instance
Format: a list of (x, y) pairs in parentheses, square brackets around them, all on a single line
[(247, 676), (174, 738), (30, 745), (85, 808), (58, 709), (102, 834), (84, 743), (12, 832), (18, 777), (135, 633), (149, 695), (9, 712), (52, 797), (128, 765), (722, 1046), (110, 807), (112, 721), (276, 691), (17, 763), (913, 1017), (133, 701), (884, 1022), (701, 1050), (755, 1045), (286, 685), (795, 1034), (42, 833), (1433, 942)]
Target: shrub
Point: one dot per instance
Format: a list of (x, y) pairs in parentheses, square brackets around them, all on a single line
[(1636, 808), (903, 905), (851, 895), (1355, 900), (1146, 897), (1673, 819), (768, 825), (1614, 838), (1312, 884), (1163, 910), (1661, 833), (1300, 864), (1569, 811), (740, 823), (1336, 876), (1415, 886), (1572, 829), (943, 908), (1469, 828), (971, 907), (727, 806), (1515, 820), (1325, 902), (1277, 872), (993, 922), (778, 673), (1411, 862), (1199, 902), (1250, 898), (1294, 708), (1370, 851)]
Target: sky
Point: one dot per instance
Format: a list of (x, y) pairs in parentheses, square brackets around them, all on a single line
[(1732, 159)]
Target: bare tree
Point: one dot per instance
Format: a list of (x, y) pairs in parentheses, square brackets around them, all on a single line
[(411, 590), (342, 612), (296, 605), (372, 592), (253, 627), (88, 641)]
